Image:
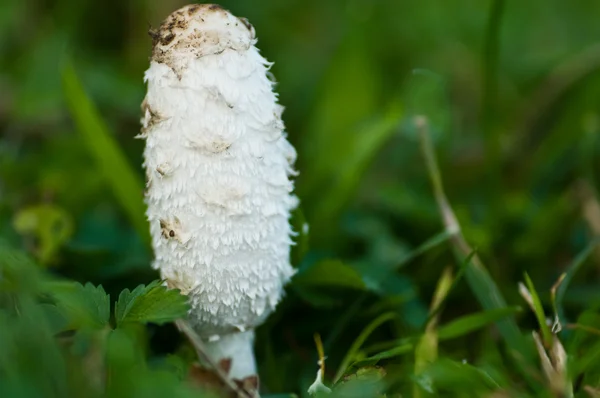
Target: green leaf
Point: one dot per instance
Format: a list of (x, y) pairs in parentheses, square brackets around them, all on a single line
[(473, 322), (153, 303), (461, 271), (539, 311), (55, 318), (123, 361), (488, 294), (318, 297), (18, 272), (481, 283), (124, 182), (403, 346), (459, 327), (329, 273), (331, 126), (588, 359), (350, 312), (424, 247), (345, 178), (365, 382), (362, 337), (84, 306), (426, 350), (571, 270), (450, 375), (584, 347), (51, 225)]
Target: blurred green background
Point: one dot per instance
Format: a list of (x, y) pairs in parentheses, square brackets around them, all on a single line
[(512, 94)]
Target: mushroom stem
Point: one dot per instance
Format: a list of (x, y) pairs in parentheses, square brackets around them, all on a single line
[(235, 345)]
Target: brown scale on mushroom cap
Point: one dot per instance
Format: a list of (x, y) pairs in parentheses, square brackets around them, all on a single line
[(197, 30)]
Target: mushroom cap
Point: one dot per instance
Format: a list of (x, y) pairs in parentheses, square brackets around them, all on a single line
[(197, 30)]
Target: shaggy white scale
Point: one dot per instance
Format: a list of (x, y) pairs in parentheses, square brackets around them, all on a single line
[(218, 168)]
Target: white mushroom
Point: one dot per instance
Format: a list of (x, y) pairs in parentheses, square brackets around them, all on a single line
[(218, 163)]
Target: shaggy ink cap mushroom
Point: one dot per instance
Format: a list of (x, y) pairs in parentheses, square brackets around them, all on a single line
[(219, 174)]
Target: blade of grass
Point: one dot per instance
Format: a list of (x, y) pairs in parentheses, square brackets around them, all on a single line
[(366, 332), (382, 346), (539, 311), (585, 328), (427, 348), (472, 322), (585, 192), (424, 247), (341, 323), (571, 72), (591, 128), (585, 361), (490, 90), (330, 127), (481, 283), (402, 347), (125, 184), (571, 270), (556, 324), (457, 279), (367, 143), (457, 328)]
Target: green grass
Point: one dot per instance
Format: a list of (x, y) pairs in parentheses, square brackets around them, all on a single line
[(447, 157)]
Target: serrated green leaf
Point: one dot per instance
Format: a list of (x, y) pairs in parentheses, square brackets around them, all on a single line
[(56, 319), (153, 303), (84, 306)]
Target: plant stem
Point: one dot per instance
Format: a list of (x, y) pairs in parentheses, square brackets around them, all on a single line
[(480, 281), (202, 352)]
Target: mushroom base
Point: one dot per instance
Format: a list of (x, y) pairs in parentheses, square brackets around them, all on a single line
[(239, 347)]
